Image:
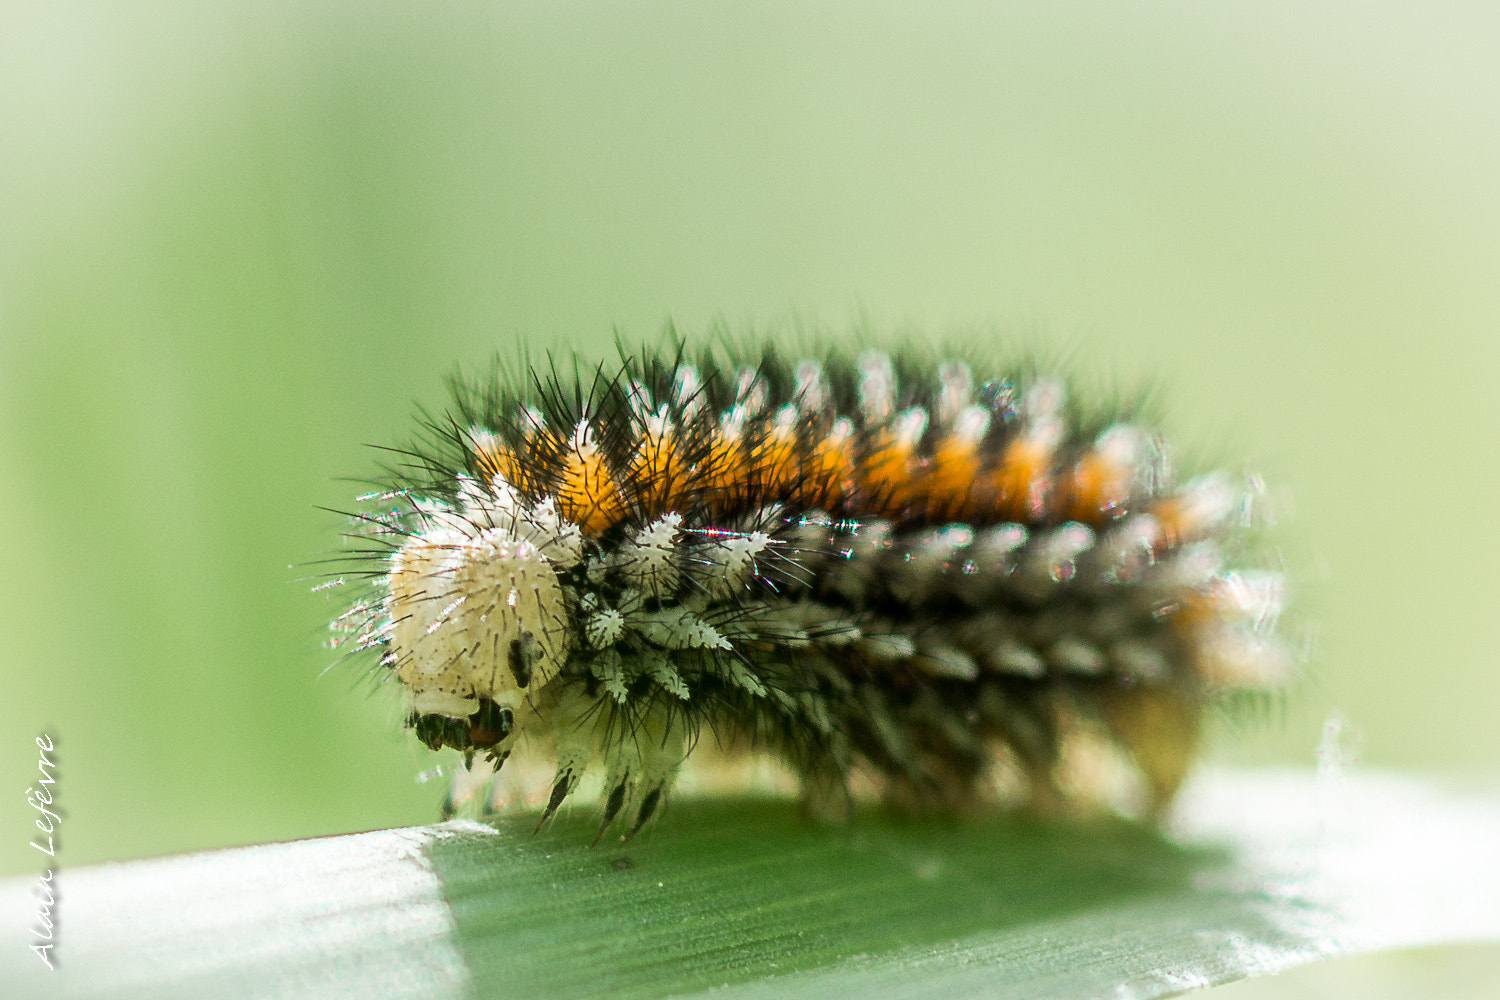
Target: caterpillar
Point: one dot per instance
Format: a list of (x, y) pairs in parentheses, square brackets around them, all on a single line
[(884, 569)]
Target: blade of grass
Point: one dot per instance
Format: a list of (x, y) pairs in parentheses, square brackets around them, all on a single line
[(1265, 871)]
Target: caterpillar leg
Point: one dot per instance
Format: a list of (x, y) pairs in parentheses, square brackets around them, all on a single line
[(642, 763), (659, 765), (1160, 729), (1029, 729), (575, 719)]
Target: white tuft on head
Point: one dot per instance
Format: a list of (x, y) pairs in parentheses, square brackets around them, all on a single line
[(495, 505), (500, 507)]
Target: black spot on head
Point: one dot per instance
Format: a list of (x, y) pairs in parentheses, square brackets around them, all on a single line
[(621, 864), (519, 657)]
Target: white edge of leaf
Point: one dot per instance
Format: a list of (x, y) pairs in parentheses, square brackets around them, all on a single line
[(248, 921)]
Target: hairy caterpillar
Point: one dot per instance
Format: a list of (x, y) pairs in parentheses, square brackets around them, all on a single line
[(903, 570)]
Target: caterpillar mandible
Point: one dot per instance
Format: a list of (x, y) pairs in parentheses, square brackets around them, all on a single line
[(886, 566)]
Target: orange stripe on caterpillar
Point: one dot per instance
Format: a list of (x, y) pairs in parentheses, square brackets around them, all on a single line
[(776, 459), (491, 457), (831, 468), (657, 475), (1100, 484), (889, 472), (587, 493), (1201, 507), (1020, 484), (950, 482)]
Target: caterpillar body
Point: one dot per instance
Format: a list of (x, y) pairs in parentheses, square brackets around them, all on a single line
[(901, 572)]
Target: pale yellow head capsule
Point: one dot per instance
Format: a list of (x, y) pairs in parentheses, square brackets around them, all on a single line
[(478, 625)]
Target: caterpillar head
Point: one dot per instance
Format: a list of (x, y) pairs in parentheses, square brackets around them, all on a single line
[(478, 624)]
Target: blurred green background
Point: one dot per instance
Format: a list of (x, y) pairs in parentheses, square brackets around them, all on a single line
[(238, 242)]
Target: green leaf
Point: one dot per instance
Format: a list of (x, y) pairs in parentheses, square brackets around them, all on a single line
[(739, 897)]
